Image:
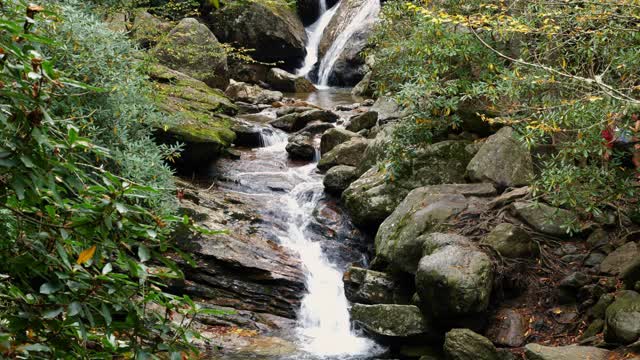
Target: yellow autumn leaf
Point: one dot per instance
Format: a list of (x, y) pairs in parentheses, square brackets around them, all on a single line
[(86, 255)]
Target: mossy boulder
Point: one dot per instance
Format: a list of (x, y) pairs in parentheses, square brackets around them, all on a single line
[(201, 115), (623, 318), (252, 94), (338, 178), (391, 321), (544, 218), (301, 147), (363, 121), (148, 30), (503, 160), (191, 48), (454, 278), (334, 137), (282, 80), (374, 287), (510, 241), (373, 197), (541, 352), (464, 344), (269, 27), (348, 153)]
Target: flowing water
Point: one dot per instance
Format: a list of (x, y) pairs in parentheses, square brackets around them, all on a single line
[(367, 12), (323, 329), (314, 36)]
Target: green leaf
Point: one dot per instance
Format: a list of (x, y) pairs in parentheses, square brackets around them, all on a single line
[(52, 313), (50, 288), (143, 253), (107, 269), (106, 314), (74, 309), (36, 348)]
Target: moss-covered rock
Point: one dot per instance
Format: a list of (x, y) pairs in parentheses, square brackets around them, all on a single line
[(544, 218), (282, 80), (200, 113), (391, 321), (270, 28), (334, 137), (464, 344), (623, 318), (541, 352), (148, 30), (338, 178), (348, 153), (191, 48), (510, 241)]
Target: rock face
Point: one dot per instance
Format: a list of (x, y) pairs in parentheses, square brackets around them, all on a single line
[(242, 268), (334, 137), (284, 81), (348, 153), (301, 147), (363, 121), (148, 30), (246, 25), (503, 160), (192, 48), (349, 68), (510, 241), (199, 112), (253, 94), (464, 344), (372, 198), (454, 278), (338, 178), (374, 287), (544, 218), (623, 319), (309, 10), (391, 321), (540, 352), (620, 258)]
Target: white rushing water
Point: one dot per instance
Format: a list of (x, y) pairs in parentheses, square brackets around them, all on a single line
[(314, 36), (324, 326), (367, 12)]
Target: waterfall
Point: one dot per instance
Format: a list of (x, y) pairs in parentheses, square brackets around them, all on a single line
[(314, 36), (367, 12)]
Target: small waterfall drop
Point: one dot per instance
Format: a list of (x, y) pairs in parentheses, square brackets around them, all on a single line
[(314, 36), (367, 12)]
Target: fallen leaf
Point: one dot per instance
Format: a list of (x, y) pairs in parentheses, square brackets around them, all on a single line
[(86, 255)]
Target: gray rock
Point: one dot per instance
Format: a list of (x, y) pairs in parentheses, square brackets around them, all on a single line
[(148, 30), (262, 27), (620, 258), (377, 148), (630, 275), (334, 137), (301, 147), (510, 241), (503, 160), (254, 94), (540, 352), (507, 328), (599, 309), (363, 121), (338, 178), (395, 321), (316, 127), (623, 318), (509, 196), (191, 48), (464, 344), (374, 287), (373, 197), (453, 278), (598, 238), (544, 218), (348, 153), (388, 109), (363, 88), (284, 81), (398, 240)]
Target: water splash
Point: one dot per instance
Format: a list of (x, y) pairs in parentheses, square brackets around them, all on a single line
[(367, 12), (314, 36), (270, 137)]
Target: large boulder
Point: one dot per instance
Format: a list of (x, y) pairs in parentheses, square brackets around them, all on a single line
[(192, 48), (623, 318), (271, 29), (364, 87), (284, 81), (199, 113), (296, 121), (374, 287), (620, 259), (334, 137), (544, 218), (373, 197), (510, 241), (507, 328), (388, 109), (503, 160), (355, 18), (377, 149), (338, 178), (363, 121), (541, 352), (391, 321), (454, 278), (348, 153), (301, 147), (464, 344)]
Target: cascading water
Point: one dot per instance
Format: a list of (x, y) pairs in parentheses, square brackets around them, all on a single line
[(324, 329), (367, 12), (314, 36)]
